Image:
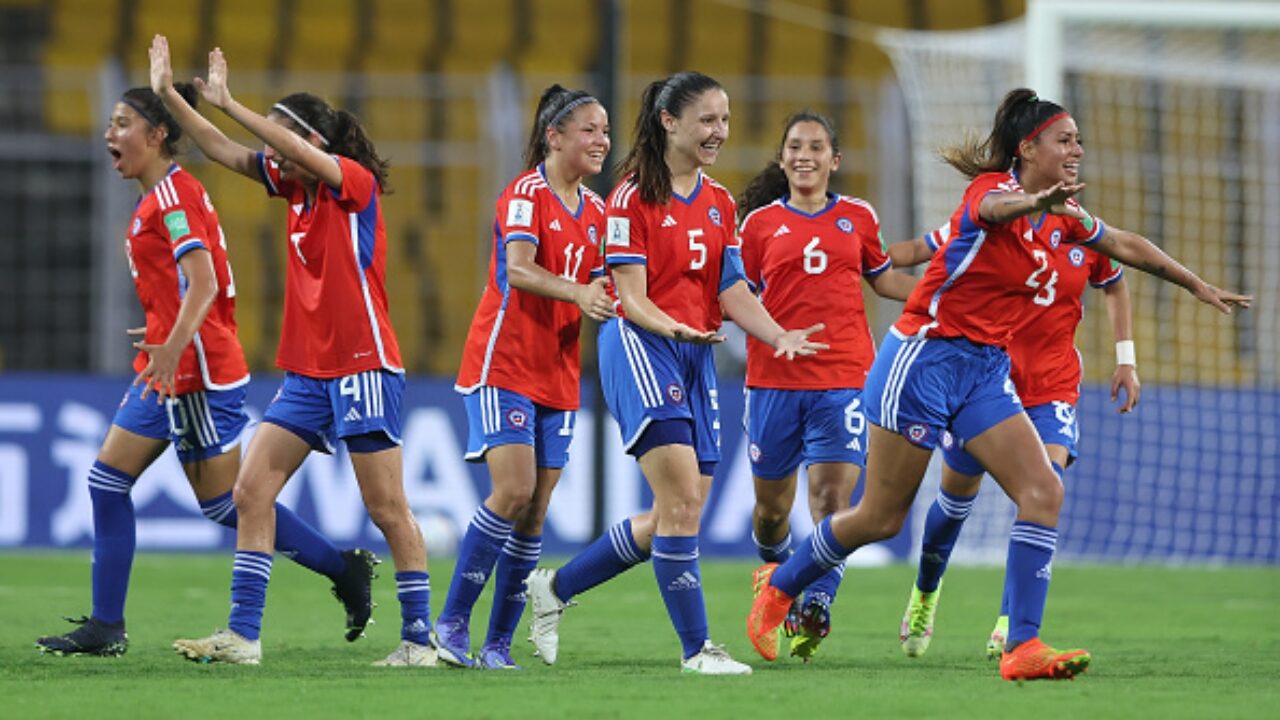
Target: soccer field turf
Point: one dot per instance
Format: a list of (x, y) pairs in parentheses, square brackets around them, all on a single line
[(1166, 643)]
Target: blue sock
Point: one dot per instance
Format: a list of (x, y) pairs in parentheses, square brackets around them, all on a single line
[(114, 540), (607, 557), (773, 553), (1027, 575), (820, 553), (413, 590), (675, 564), (941, 528), (249, 577), (825, 587), (519, 557), (485, 536), (295, 539)]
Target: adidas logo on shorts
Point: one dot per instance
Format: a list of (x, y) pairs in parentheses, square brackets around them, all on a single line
[(353, 415)]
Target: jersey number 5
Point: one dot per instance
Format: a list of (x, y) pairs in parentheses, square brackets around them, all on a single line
[(696, 246), (1046, 291)]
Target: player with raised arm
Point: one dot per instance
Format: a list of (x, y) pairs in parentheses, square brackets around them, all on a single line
[(806, 251), (944, 367), (520, 367), (1046, 371), (190, 358), (673, 256), (343, 375)]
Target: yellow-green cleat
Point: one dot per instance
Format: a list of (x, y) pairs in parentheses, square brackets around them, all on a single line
[(808, 626), (917, 624), (999, 635)]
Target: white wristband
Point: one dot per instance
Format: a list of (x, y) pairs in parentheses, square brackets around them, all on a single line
[(1126, 354)]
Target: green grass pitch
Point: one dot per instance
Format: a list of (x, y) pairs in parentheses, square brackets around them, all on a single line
[(1167, 643)]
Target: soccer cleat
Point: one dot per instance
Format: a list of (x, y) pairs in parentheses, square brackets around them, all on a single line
[(917, 623), (225, 646), (496, 656), (452, 639), (768, 612), (1033, 660), (813, 625), (93, 637), (545, 611), (999, 635), (713, 660), (353, 588), (409, 654)]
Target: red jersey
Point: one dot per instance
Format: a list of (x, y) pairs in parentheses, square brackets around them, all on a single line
[(989, 275), (173, 219), (683, 245), (1046, 365), (524, 342), (809, 269), (335, 297)]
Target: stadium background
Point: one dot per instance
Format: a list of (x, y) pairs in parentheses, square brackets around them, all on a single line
[(446, 89)]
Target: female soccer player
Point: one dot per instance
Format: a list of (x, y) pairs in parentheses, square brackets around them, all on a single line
[(520, 366), (191, 359), (676, 271), (806, 251), (1046, 371), (343, 376), (944, 367)]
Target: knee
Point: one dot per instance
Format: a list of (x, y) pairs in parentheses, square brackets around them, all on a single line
[(388, 513), (682, 511), (886, 525), (250, 499), (771, 515), (513, 501), (826, 501), (1043, 494)]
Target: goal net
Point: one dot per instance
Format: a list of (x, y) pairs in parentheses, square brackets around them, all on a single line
[(1179, 108)]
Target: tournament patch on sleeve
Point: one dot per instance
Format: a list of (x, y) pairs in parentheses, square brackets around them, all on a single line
[(520, 213), (619, 232), (176, 223)]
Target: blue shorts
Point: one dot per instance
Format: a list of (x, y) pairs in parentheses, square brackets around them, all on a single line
[(646, 377), (1055, 423), (201, 425), (497, 417), (787, 427), (322, 411), (919, 387)]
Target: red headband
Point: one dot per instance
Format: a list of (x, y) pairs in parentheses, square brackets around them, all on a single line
[(1040, 128)]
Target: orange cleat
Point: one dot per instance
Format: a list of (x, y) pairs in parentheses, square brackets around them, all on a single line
[(1033, 660), (767, 612)]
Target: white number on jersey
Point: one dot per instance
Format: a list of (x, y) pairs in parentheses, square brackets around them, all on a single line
[(697, 247), (1047, 291), (854, 422), (815, 260), (572, 261)]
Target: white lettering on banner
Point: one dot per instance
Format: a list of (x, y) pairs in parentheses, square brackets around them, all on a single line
[(335, 495), (74, 517), (436, 478), (623, 480), (14, 474), (732, 512), (13, 494), (571, 506)]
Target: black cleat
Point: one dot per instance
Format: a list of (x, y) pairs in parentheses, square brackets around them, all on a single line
[(353, 588), (93, 637)]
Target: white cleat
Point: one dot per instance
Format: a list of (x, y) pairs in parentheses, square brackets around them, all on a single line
[(545, 610), (224, 646), (409, 654), (713, 660)]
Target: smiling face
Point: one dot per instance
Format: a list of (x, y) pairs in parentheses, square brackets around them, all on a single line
[(700, 130), (808, 159), (133, 144), (1053, 156), (584, 142)]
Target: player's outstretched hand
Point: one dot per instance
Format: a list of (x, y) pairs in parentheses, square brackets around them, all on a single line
[(1223, 300), (161, 65), (1125, 379), (214, 90), (684, 333), (796, 342), (594, 300), (1054, 199), (161, 371)]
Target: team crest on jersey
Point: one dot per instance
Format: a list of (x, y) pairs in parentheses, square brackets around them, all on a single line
[(1076, 256), (917, 433), (1055, 239), (592, 235), (676, 393), (714, 214), (845, 225), (754, 451), (517, 418), (137, 225)]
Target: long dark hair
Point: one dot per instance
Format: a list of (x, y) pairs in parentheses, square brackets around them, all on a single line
[(1020, 113), (555, 107), (148, 105), (340, 130), (771, 182), (647, 158)]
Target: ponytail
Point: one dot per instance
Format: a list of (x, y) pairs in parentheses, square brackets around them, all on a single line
[(1022, 116), (647, 158)]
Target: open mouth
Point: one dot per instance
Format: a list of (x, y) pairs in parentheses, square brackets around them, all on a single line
[(115, 157)]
